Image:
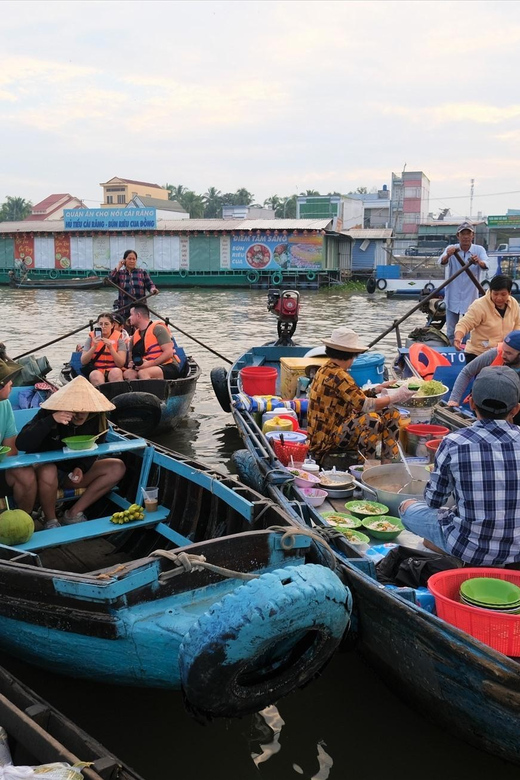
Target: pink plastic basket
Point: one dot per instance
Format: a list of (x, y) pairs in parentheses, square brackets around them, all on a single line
[(501, 632)]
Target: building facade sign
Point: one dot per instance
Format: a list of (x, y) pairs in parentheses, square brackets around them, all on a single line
[(504, 220), (110, 219), (268, 252)]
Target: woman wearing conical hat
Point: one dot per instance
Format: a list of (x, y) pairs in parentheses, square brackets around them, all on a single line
[(75, 409)]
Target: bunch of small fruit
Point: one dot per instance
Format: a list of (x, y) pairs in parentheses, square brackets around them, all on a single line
[(134, 512)]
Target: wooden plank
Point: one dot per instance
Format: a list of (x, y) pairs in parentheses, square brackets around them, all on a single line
[(54, 456), (88, 530)]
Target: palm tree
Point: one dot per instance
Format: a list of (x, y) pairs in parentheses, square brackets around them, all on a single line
[(310, 193), (192, 203), (273, 202), (212, 203), (175, 192), (287, 208), (15, 209), (243, 197)]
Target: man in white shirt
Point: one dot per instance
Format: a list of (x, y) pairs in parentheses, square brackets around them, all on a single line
[(462, 291)]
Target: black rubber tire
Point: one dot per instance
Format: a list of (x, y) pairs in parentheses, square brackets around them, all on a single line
[(428, 288), (311, 276), (381, 284), (53, 273), (183, 273), (514, 287), (248, 471), (252, 277), (485, 285), (219, 384), (139, 413), (371, 285), (264, 640)]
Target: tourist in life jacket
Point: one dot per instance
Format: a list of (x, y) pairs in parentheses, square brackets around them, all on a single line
[(104, 353), (151, 351)]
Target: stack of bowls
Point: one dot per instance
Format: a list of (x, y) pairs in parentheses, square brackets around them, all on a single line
[(492, 594)]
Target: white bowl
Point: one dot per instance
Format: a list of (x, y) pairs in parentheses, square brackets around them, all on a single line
[(303, 478), (314, 496)]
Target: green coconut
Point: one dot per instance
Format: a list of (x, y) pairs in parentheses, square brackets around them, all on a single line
[(16, 527)]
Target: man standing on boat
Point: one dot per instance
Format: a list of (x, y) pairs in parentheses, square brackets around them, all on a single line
[(480, 467), (341, 416), (20, 482), (461, 293), (135, 282)]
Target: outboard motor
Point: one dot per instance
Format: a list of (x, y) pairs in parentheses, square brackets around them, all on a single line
[(285, 306)]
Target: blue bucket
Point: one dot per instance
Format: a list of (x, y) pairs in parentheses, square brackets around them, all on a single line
[(368, 367)]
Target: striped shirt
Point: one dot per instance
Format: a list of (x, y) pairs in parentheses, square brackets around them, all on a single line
[(480, 467)]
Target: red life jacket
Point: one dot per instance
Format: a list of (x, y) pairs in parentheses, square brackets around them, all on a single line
[(105, 361), (152, 348)]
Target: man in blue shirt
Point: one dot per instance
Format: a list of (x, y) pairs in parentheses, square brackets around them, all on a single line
[(480, 467), (21, 482), (460, 293)]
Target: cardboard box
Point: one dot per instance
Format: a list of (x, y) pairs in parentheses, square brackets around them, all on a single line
[(293, 368)]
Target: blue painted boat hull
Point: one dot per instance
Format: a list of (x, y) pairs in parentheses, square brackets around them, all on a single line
[(461, 683)]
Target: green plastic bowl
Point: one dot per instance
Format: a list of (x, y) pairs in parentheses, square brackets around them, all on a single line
[(489, 590), (80, 442), (4, 451), (363, 509), (356, 522), (385, 535), (352, 537)]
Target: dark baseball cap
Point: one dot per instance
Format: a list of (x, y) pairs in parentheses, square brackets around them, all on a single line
[(496, 389)]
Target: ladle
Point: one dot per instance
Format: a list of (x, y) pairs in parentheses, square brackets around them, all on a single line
[(413, 486)]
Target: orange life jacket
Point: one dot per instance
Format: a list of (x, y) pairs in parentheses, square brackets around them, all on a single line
[(152, 348), (105, 361), (499, 360)]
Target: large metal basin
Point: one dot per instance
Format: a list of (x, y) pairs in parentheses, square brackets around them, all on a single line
[(379, 479)]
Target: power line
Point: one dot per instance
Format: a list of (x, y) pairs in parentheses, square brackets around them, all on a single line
[(488, 195)]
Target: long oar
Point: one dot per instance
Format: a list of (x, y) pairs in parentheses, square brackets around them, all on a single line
[(71, 333), (433, 294), (168, 322), (471, 276)]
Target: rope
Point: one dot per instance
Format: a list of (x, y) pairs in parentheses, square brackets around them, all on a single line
[(187, 563)]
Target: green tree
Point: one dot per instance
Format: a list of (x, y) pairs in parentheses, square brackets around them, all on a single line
[(287, 209), (310, 193), (192, 203), (212, 203), (362, 190), (15, 209), (274, 202), (243, 197), (175, 192)]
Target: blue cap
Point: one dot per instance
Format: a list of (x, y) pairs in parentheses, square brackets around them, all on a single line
[(513, 340)]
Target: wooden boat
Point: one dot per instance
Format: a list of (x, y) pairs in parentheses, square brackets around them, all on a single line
[(147, 407), (39, 734), (49, 283), (211, 592), (461, 683)]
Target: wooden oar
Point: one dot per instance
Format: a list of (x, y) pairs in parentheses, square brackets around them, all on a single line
[(433, 294), (71, 333), (168, 322), (471, 276)]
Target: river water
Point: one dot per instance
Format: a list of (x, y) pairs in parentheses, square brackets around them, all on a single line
[(347, 723)]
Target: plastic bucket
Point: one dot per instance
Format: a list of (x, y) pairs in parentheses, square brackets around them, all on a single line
[(368, 368), (418, 434), (259, 380), (432, 446), (279, 411)]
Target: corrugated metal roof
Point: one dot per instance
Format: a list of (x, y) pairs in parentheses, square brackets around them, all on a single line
[(368, 233), (186, 225), (157, 203)]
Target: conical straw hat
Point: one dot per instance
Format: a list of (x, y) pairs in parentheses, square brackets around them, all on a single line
[(78, 396)]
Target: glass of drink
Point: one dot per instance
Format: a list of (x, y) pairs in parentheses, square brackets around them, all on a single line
[(151, 496)]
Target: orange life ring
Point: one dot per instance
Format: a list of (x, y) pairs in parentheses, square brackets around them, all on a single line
[(425, 359)]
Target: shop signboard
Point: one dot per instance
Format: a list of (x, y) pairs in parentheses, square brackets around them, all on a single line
[(504, 220), (271, 253), (110, 219)]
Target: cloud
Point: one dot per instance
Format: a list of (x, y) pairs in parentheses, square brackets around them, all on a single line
[(469, 113)]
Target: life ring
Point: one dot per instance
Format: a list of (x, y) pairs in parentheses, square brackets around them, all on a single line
[(514, 287), (53, 274), (137, 412), (311, 276), (371, 285), (381, 284), (264, 640), (428, 288), (277, 277), (252, 277), (183, 273), (218, 377)]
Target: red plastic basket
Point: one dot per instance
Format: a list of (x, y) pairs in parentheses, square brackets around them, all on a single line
[(501, 632), (298, 451)]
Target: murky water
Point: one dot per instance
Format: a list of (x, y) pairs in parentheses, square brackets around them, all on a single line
[(346, 724)]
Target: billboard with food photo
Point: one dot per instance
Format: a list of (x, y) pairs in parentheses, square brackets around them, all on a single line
[(272, 253)]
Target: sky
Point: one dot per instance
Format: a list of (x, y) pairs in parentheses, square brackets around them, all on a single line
[(277, 97)]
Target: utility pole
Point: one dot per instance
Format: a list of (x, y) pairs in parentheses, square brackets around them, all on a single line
[(471, 197)]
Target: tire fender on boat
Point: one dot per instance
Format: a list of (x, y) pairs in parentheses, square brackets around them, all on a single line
[(428, 288), (183, 273), (381, 284), (264, 640), (137, 412), (53, 273), (371, 285), (277, 277), (252, 277), (514, 287), (248, 470), (219, 384)]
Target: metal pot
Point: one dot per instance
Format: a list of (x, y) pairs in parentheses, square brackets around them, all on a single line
[(374, 480)]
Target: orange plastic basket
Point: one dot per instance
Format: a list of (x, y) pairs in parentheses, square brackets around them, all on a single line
[(298, 451), (501, 632)]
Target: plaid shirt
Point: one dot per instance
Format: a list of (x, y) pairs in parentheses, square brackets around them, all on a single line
[(334, 398), (135, 283), (480, 466)]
